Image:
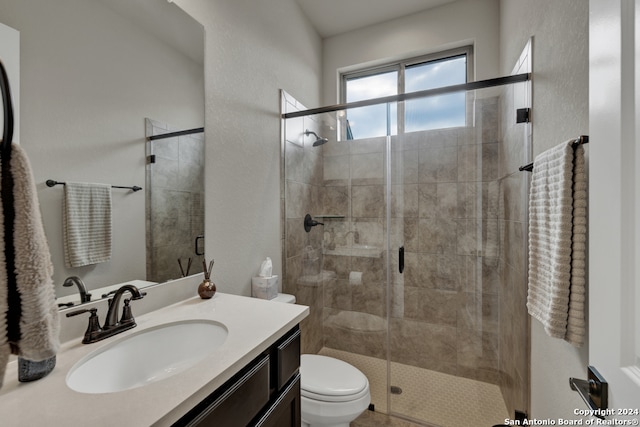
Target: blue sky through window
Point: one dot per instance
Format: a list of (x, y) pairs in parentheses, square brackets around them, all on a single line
[(434, 112), (371, 121), (441, 111)]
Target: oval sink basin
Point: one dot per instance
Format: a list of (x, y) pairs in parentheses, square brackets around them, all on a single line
[(146, 357)]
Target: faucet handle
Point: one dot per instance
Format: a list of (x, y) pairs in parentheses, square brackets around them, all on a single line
[(93, 311), (127, 315), (93, 329)]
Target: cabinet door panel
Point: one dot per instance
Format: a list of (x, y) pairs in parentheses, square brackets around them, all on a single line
[(285, 411), (241, 402)]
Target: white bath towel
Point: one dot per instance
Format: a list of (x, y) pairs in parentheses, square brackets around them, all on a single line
[(38, 321), (86, 223), (557, 242)]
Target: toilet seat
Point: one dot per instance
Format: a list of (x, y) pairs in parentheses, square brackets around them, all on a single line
[(327, 379)]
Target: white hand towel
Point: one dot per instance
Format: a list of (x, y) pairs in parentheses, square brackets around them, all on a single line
[(557, 237), (86, 223)]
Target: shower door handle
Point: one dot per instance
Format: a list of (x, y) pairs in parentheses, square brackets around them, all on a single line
[(197, 248), (401, 259)]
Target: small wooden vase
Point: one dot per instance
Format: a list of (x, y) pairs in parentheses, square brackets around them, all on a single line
[(207, 289)]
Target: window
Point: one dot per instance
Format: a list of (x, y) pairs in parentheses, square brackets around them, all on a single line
[(416, 74)]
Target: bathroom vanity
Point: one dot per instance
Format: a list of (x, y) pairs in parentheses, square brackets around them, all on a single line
[(251, 378)]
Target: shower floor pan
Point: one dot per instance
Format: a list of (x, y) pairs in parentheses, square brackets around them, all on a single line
[(428, 396)]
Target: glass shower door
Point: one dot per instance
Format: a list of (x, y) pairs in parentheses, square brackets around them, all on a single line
[(443, 314)]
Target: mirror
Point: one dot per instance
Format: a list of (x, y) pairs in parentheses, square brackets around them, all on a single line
[(91, 73)]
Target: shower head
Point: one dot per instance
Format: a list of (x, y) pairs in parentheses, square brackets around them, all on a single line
[(319, 141)]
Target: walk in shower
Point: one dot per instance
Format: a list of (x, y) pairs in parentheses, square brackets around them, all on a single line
[(415, 271)]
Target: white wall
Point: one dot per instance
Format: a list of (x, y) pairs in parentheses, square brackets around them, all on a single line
[(456, 24), (560, 112), (10, 56), (89, 77), (253, 49)]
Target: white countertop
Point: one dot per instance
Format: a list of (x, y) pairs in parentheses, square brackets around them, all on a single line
[(253, 325)]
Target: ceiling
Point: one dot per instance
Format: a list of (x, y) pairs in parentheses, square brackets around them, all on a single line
[(332, 17), (166, 21)]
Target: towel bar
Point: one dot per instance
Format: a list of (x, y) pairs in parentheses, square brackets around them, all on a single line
[(52, 183), (582, 139)]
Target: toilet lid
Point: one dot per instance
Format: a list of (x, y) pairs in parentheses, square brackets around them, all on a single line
[(329, 379)]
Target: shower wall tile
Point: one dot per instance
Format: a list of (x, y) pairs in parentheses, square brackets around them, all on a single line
[(341, 265), (336, 200), (338, 295), (190, 177), (438, 164), (367, 232), (336, 170), (373, 269), (431, 306), (294, 167), (368, 297), (313, 166), (411, 274), (311, 326), (298, 198), (368, 167), (405, 200), (440, 138), (478, 162), (165, 172), (478, 357), (296, 237), (367, 201), (355, 332), (172, 216), (436, 347), (427, 200), (447, 199), (166, 148), (294, 129), (448, 208), (367, 145), (405, 167), (436, 235)]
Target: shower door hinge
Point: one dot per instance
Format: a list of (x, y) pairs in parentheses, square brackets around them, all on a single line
[(151, 159), (522, 115)]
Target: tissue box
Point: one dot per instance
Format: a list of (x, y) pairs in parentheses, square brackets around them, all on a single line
[(264, 287)]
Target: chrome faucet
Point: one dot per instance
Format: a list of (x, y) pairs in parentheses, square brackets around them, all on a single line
[(111, 326), (75, 280)]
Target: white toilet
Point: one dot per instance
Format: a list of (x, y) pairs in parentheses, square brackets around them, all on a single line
[(333, 392)]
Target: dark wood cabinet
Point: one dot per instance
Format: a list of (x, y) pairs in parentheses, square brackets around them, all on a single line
[(284, 412), (265, 393)]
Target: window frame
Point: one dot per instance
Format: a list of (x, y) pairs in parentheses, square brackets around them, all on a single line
[(400, 66)]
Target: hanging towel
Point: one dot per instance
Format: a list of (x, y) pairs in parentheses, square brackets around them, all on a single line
[(30, 268), (86, 221), (557, 242)]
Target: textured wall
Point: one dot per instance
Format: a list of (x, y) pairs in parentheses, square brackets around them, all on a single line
[(560, 112), (456, 24), (253, 49)]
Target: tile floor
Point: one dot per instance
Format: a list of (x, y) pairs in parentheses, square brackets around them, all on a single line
[(429, 397)]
